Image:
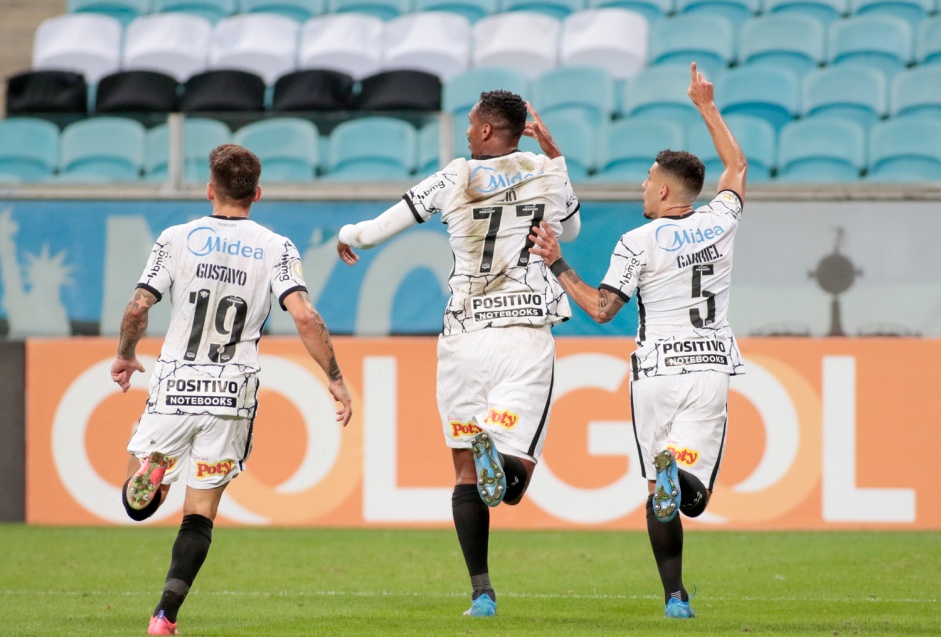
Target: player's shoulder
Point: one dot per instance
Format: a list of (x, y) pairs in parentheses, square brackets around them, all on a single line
[(725, 201)]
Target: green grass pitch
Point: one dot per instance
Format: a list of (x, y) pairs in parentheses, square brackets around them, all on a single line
[(284, 582)]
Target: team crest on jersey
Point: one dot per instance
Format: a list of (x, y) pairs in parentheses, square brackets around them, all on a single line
[(502, 417), (464, 429), (689, 457)]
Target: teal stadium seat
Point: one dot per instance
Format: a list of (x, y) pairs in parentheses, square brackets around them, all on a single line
[(473, 10), (928, 44), (429, 148), (916, 92), (735, 10), (883, 42), (382, 9), (772, 94), (200, 136), (821, 151), (212, 10), (585, 91), (660, 92), (576, 138), (29, 149), (286, 146), (855, 93), (652, 10), (905, 150), (299, 10), (123, 10), (788, 40), (629, 147), (373, 149), (102, 150), (913, 11), (463, 90), (708, 40), (558, 9), (756, 137), (826, 11)]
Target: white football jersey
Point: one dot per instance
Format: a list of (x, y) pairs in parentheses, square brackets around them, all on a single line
[(680, 270), (489, 206), (220, 273)]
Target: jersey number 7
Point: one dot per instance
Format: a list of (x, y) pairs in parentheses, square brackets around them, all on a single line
[(535, 210)]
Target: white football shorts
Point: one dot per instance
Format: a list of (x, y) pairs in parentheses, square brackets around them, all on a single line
[(685, 413), (207, 450), (498, 380)]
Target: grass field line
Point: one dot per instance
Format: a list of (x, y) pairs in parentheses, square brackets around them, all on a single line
[(441, 594)]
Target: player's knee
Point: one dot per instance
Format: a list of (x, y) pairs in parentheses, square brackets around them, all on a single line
[(696, 508)]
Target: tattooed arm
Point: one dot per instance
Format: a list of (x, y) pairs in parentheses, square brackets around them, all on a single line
[(316, 338), (133, 327)]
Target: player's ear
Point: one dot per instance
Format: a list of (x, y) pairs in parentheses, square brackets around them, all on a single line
[(257, 194), (210, 192), (486, 131)]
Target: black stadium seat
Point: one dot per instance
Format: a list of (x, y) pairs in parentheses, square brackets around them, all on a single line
[(400, 91), (47, 92), (137, 91), (313, 90), (223, 90)]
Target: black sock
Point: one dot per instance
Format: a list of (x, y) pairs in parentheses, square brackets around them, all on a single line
[(189, 553), (515, 472), (694, 499), (139, 515), (472, 523), (666, 540)]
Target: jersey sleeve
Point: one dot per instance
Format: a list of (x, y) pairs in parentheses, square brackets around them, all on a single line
[(726, 203), (627, 262), (159, 272), (288, 275), (432, 194)]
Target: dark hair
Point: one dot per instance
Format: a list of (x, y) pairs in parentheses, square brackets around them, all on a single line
[(234, 172), (503, 109), (685, 167)]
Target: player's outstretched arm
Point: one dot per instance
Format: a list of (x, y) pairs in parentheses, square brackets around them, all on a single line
[(370, 233), (733, 159), (316, 338), (600, 305), (133, 327), (540, 132)]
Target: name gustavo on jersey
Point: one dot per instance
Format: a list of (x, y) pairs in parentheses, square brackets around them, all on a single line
[(221, 273), (705, 255)]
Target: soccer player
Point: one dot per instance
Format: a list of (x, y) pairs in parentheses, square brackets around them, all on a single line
[(679, 266), (496, 353), (219, 272)]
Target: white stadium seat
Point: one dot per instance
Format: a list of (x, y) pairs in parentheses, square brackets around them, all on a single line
[(345, 42), (614, 39), (260, 43), (82, 42), (521, 40), (173, 43), (434, 41)]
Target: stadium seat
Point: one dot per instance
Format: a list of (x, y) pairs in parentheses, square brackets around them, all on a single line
[(772, 94), (883, 42), (735, 10), (788, 40), (429, 148), (102, 150), (913, 11), (297, 10), (122, 10), (382, 9), (29, 148), (576, 138), (821, 151), (348, 43), (585, 91), (263, 44), (660, 92), (612, 39), (905, 150), (826, 11), (557, 9), (756, 137), (435, 42), (212, 10), (629, 147), (372, 148), (652, 10), (173, 43), (928, 45), (400, 91), (216, 91), (473, 10), (200, 136), (708, 40), (286, 146), (313, 90), (916, 93), (855, 93), (137, 91), (520, 40), (463, 91), (86, 43), (46, 92)]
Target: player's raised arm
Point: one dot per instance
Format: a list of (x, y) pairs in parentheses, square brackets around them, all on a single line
[(702, 94)]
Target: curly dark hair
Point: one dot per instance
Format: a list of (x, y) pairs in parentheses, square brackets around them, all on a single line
[(685, 167), (234, 172), (504, 110)]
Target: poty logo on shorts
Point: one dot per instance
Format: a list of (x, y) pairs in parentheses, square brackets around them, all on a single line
[(685, 456), (502, 417), (204, 469), (671, 237), (486, 179), (203, 240), (461, 429)]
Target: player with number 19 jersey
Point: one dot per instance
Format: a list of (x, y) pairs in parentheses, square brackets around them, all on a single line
[(223, 272)]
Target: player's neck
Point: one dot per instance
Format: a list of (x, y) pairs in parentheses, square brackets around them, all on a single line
[(229, 211)]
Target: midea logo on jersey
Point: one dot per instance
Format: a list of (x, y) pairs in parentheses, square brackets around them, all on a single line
[(493, 181), (671, 237), (203, 240)]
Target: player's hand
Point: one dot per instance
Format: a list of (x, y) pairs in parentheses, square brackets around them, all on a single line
[(342, 395), (346, 253), (545, 243), (538, 131), (700, 91), (121, 371)]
